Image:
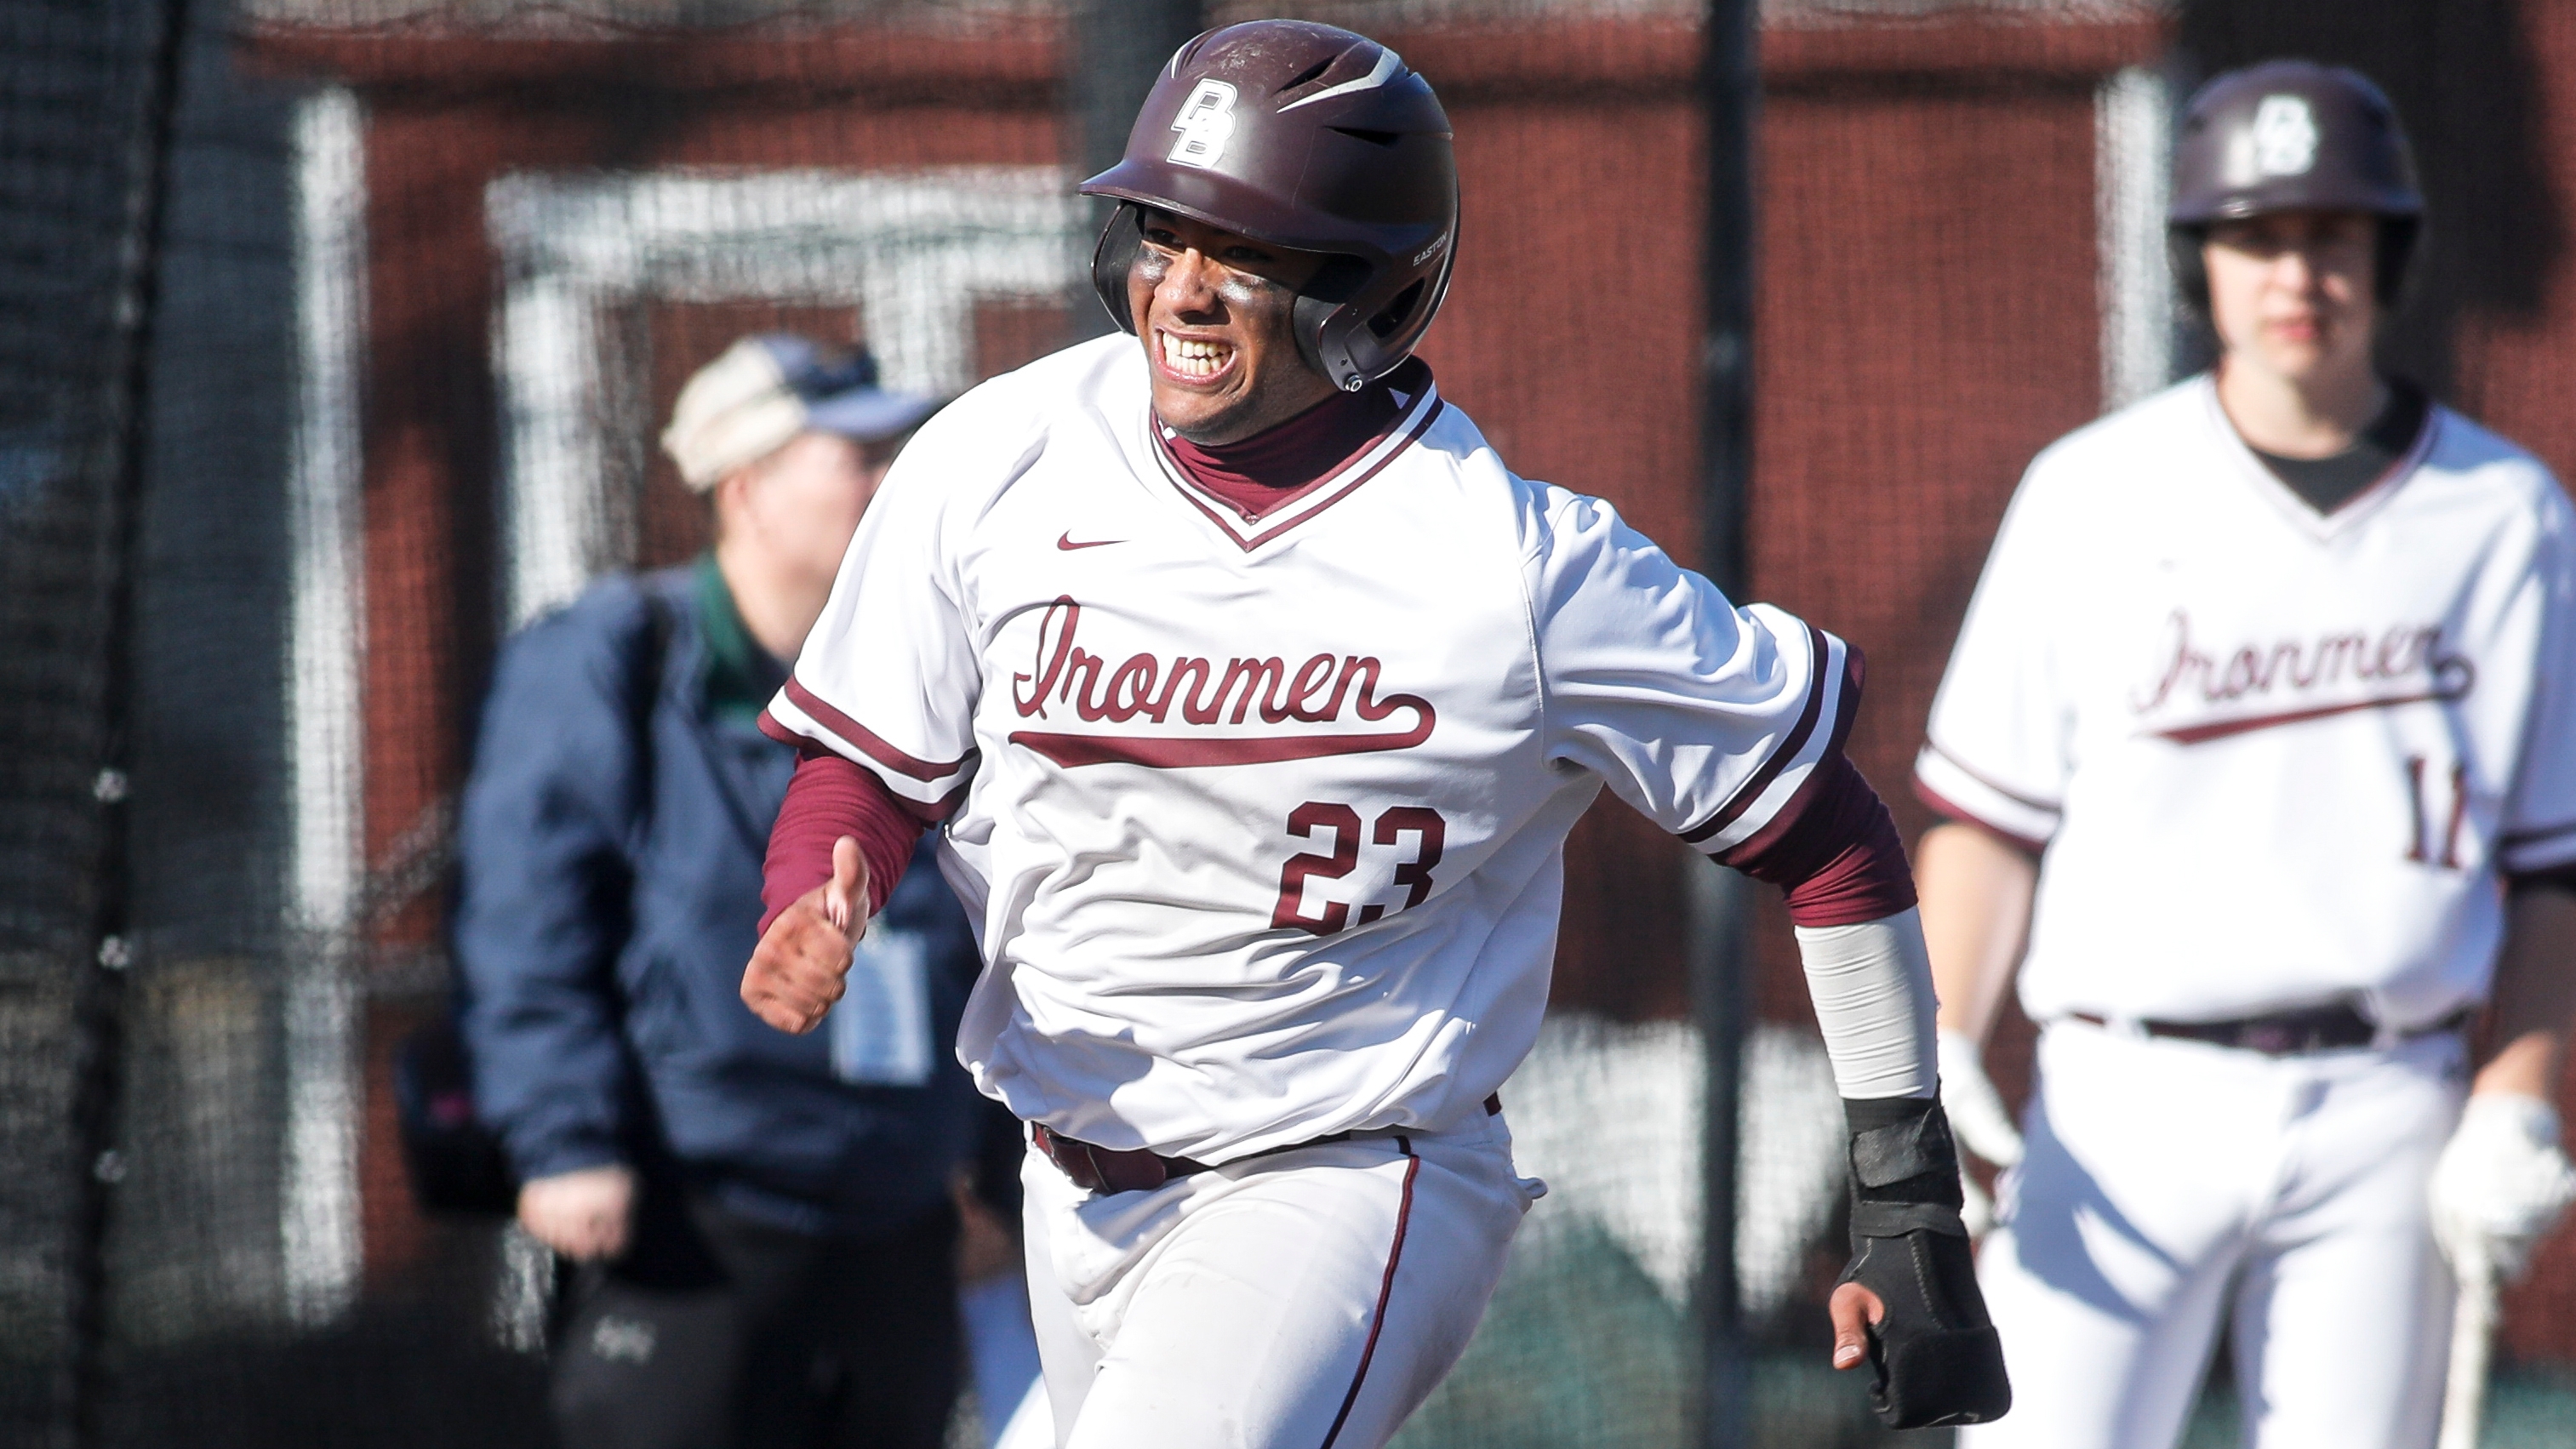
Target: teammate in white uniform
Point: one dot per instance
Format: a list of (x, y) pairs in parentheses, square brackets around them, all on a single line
[(1255, 697), (2263, 722)]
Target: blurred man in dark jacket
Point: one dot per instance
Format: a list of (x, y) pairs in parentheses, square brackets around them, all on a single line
[(735, 1196)]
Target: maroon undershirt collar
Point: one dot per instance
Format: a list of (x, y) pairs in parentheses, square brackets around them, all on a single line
[(1279, 464)]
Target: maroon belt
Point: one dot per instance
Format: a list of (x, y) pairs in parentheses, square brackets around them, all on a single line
[(1108, 1169)]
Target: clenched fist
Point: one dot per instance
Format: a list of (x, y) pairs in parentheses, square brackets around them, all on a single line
[(583, 1214), (803, 962)]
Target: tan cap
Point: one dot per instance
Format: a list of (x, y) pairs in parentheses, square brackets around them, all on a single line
[(764, 390)]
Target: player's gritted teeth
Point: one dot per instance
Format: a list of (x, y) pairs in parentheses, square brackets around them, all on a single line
[(1194, 360)]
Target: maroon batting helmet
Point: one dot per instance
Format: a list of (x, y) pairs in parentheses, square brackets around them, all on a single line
[(1310, 139), (2292, 135)]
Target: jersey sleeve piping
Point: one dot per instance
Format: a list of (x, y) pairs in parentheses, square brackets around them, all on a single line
[(797, 716), (1960, 793), (1951, 811), (2541, 848), (2543, 784), (1833, 686)]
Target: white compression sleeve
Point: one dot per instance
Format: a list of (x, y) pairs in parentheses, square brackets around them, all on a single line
[(1872, 985)]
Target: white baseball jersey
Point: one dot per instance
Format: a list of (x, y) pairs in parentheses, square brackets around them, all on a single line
[(1263, 820), (2273, 757)]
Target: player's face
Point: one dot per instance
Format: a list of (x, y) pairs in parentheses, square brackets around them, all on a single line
[(805, 500), (2292, 292), (1214, 310)]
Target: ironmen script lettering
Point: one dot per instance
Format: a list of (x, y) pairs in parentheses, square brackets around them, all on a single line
[(1194, 694), (2327, 675)]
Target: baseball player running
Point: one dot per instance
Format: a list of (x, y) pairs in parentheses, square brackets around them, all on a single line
[(1254, 698), (2263, 725)]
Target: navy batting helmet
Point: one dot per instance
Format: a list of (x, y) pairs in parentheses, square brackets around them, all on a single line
[(1311, 139)]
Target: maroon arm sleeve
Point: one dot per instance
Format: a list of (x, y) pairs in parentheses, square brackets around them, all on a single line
[(1834, 849), (830, 797)]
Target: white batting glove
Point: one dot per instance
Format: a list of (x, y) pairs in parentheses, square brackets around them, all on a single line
[(1977, 1115), (1976, 1208), (1978, 1120), (2501, 1183)]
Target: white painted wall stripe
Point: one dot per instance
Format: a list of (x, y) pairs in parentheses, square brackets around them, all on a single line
[(914, 250), (326, 648), (2133, 123)]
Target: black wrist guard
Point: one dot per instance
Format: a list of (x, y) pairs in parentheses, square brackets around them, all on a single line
[(1935, 1358)]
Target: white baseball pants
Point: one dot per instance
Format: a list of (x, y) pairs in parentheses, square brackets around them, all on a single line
[(1306, 1300), (2169, 1181)]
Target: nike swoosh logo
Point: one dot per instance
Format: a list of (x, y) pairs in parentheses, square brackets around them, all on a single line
[(1066, 542)]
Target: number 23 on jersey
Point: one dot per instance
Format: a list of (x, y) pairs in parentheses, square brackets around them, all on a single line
[(1416, 829)]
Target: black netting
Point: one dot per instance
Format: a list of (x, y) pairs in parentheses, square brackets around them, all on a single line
[(81, 88)]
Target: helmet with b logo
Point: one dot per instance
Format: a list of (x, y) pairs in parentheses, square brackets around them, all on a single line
[(2292, 135), (1311, 139)]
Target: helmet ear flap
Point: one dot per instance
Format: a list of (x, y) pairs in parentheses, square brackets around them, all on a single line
[(1338, 280), (2190, 268), (1114, 257), (1398, 329), (2399, 236)]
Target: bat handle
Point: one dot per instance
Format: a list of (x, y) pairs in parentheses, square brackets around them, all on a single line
[(2473, 1322)]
